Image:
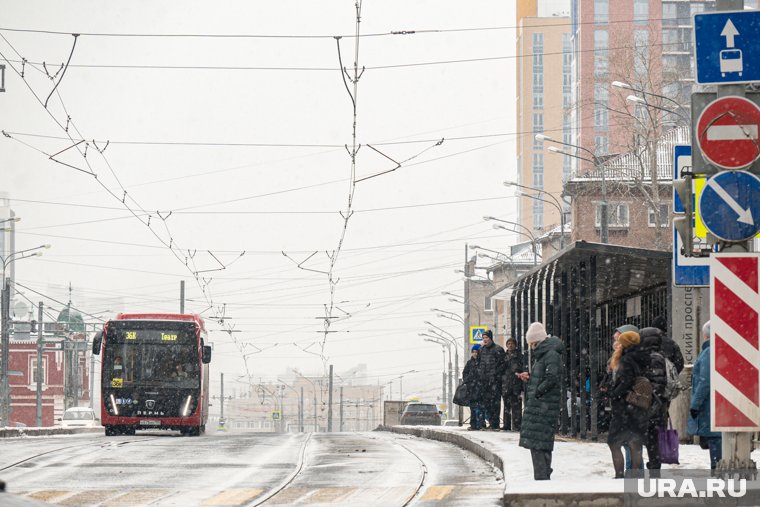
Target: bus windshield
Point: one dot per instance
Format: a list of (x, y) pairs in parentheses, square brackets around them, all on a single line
[(157, 357)]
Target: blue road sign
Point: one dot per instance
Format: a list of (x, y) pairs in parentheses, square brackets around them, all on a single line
[(687, 271), (730, 205), (726, 47)]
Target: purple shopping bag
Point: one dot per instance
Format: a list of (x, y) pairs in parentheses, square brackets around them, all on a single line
[(667, 442)]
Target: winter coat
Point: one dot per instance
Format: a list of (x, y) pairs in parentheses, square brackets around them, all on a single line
[(470, 377), (490, 368), (510, 384), (651, 341), (543, 398), (700, 395), (672, 351), (628, 423)]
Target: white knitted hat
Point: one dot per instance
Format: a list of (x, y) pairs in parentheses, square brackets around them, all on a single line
[(536, 333)]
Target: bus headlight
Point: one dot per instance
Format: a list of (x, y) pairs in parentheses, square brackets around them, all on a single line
[(186, 407)]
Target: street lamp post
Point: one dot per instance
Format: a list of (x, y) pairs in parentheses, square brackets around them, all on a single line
[(527, 233), (554, 202), (314, 390), (603, 219), (5, 402), (451, 341), (632, 98)]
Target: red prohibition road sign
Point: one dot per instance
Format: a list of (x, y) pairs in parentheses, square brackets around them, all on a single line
[(735, 349), (727, 132)]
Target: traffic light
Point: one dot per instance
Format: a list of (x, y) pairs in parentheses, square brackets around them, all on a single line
[(684, 223), (34, 326)]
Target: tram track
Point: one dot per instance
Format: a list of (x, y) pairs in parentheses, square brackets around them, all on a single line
[(289, 480), (96, 446)]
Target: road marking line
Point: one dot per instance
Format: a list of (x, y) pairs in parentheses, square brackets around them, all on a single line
[(233, 497), (48, 495), (137, 497), (92, 497), (325, 495), (436, 493)]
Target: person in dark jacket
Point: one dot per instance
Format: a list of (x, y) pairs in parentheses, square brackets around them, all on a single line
[(490, 369), (542, 399), (699, 409), (651, 342), (511, 387), (629, 424), (670, 348), (470, 377)]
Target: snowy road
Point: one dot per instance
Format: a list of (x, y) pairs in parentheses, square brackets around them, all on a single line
[(246, 470)]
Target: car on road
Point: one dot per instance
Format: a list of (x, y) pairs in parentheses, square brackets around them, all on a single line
[(421, 413), (79, 417)]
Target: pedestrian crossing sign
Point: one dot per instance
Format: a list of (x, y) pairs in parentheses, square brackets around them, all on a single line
[(476, 334)]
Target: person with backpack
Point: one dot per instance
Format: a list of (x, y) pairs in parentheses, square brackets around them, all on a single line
[(629, 422), (670, 348), (656, 372)]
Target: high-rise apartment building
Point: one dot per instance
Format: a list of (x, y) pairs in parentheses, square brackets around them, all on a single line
[(544, 83)]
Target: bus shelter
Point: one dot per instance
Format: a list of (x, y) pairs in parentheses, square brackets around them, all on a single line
[(581, 295)]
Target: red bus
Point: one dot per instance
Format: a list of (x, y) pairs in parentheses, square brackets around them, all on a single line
[(154, 373)]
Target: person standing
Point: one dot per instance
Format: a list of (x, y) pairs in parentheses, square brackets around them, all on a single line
[(470, 377), (511, 387), (651, 342), (670, 348), (699, 409), (629, 423), (490, 368), (542, 399)]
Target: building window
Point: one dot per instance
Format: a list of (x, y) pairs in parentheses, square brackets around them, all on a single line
[(601, 11), (538, 70), (538, 128), (488, 304), (602, 144), (641, 54), (664, 215), (538, 216), (641, 11), (601, 46), (538, 170), (617, 215), (601, 111), (33, 371), (567, 66)]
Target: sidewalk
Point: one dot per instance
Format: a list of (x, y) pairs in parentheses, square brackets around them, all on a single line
[(582, 470)]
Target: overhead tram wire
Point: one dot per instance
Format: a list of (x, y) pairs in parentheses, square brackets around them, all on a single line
[(392, 33)]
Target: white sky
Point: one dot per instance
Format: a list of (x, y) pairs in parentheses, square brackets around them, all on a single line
[(171, 133)]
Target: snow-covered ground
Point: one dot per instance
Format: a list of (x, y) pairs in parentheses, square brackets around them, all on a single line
[(579, 466)]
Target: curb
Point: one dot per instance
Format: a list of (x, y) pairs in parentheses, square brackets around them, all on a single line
[(42, 432), (452, 438)]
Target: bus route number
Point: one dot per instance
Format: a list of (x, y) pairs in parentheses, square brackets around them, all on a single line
[(117, 383), (168, 337), (131, 335)]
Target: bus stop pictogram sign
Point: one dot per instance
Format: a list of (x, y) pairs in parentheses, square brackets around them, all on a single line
[(735, 346), (727, 132)]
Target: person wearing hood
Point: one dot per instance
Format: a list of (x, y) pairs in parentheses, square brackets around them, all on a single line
[(629, 424), (490, 368), (542, 399), (651, 342), (699, 409), (670, 348), (470, 377), (511, 387)]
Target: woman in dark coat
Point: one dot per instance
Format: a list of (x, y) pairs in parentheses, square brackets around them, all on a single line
[(542, 400), (471, 378), (628, 425)]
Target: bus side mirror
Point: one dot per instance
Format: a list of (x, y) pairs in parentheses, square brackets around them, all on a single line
[(206, 356), (96, 343)]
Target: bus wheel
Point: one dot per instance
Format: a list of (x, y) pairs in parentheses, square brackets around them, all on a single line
[(203, 428), (194, 431), (110, 431)]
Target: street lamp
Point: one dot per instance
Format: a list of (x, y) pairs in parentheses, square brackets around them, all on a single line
[(604, 219), (314, 391), (5, 336), (642, 101), (444, 346), (554, 202), (626, 86), (448, 315), (527, 233)]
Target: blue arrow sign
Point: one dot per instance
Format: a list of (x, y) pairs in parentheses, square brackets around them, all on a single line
[(730, 205), (725, 46), (687, 271)]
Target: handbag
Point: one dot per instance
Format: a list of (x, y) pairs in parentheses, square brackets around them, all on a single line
[(667, 442), (640, 394), (461, 395)]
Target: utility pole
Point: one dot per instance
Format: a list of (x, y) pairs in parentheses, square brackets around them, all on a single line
[(341, 408), (6, 338), (300, 412), (38, 373), (92, 373), (182, 296), (221, 397), (330, 401), (466, 319)]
